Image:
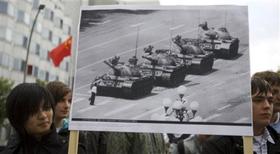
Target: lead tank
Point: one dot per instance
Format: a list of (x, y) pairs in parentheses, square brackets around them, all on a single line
[(164, 67), (202, 61), (125, 81)]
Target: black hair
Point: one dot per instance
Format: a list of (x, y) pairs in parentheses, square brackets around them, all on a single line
[(259, 86), (24, 101)]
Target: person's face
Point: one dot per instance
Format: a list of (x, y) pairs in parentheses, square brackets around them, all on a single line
[(262, 109), (62, 108), (276, 98), (39, 124)]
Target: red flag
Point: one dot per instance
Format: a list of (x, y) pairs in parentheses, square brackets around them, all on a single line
[(62, 50)]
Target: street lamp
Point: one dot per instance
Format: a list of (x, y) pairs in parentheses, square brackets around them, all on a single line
[(181, 109), (41, 7)]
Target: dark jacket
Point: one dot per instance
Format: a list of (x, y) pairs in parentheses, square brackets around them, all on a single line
[(82, 148), (49, 144), (273, 148), (234, 144)]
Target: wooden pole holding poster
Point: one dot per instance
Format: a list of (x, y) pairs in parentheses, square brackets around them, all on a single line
[(73, 142), (248, 144)]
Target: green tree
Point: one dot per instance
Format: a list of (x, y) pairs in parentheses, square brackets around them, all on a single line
[(5, 88), (41, 82)]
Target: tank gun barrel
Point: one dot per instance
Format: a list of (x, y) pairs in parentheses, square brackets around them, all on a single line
[(148, 58), (184, 57), (152, 60)]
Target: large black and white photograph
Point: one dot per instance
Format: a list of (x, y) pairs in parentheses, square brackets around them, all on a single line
[(168, 69)]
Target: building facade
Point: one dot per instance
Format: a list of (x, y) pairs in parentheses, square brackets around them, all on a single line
[(51, 29)]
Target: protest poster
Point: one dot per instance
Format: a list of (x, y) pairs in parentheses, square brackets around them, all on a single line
[(168, 69)]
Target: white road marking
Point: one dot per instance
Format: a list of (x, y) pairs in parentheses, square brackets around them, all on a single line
[(148, 112), (177, 27), (83, 86), (224, 107), (244, 119), (120, 109), (100, 23), (138, 24), (78, 100), (212, 117)]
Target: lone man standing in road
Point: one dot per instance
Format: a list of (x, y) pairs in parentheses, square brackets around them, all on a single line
[(93, 93)]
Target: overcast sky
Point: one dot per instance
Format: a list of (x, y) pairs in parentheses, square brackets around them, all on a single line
[(264, 17)]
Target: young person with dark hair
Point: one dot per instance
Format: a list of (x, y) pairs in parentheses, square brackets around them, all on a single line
[(273, 79), (62, 95), (265, 140), (30, 111)]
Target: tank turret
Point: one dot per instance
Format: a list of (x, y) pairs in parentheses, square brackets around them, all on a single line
[(202, 61)]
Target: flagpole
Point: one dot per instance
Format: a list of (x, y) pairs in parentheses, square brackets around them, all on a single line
[(41, 7)]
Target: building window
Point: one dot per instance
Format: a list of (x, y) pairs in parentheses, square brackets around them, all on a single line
[(47, 76), (26, 19), (37, 49), (22, 67), (5, 60), (11, 10), (9, 34), (48, 58), (45, 33), (20, 16), (61, 24), (52, 77), (3, 7), (51, 15), (50, 35), (59, 40), (11, 62), (24, 41), (17, 38), (2, 32), (5, 34), (35, 71), (46, 13), (45, 54), (29, 69), (18, 64), (69, 30), (67, 66), (41, 75)]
